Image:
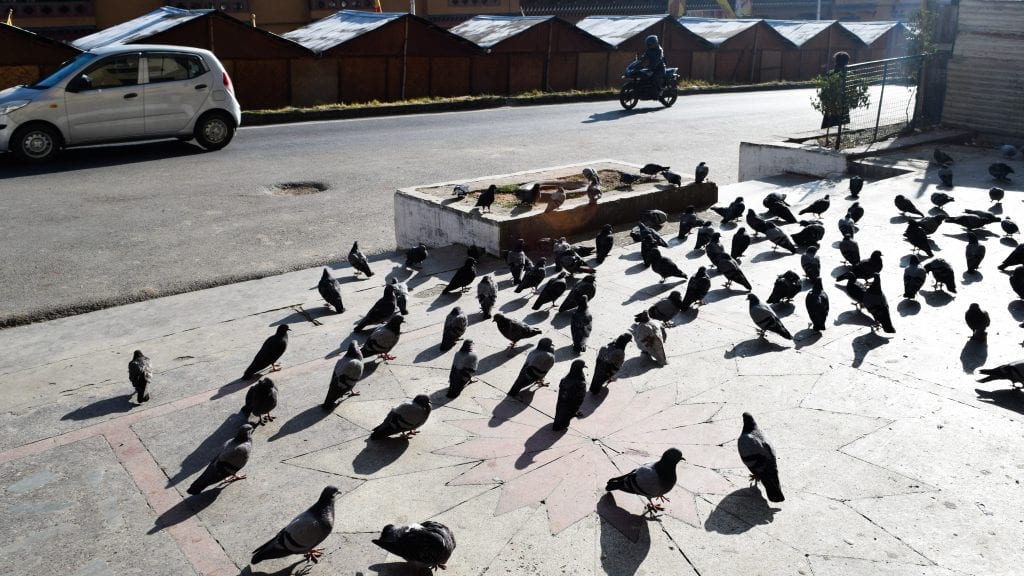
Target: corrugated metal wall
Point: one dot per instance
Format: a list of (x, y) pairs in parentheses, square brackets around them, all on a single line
[(985, 76)]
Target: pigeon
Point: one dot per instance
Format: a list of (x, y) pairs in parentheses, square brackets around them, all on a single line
[(930, 224), (666, 268), (581, 326), (740, 243), (648, 252), (271, 351), (653, 218), (759, 457), (571, 262), (609, 361), (809, 235), (224, 467), (401, 292), (701, 173), (996, 194), (572, 390), (855, 291), (856, 185), (773, 198), (1009, 226), (590, 174), (978, 321), (730, 269), (650, 338), (260, 401), (703, 236), (1017, 282), (946, 177), (347, 371), (461, 191), (414, 257), (672, 178), (1015, 258), (665, 310), (1008, 151), (551, 291), (516, 260), (455, 325), (765, 319), (818, 207), (906, 206), (464, 365), (627, 179), (383, 339), (973, 220), (586, 287), (787, 286), (850, 250), (913, 278), (941, 157), (865, 268), (855, 212), (486, 198), (975, 253), (532, 277), (778, 238), (528, 195), (381, 311), (817, 305), (428, 543), (653, 169), (847, 226), (358, 261), (303, 533), (780, 210), (463, 277), (555, 200), (538, 362), (714, 249), (514, 330), (404, 419), (940, 199), (1000, 171), (330, 291), (918, 238), (810, 263), (140, 373), (942, 272), (877, 305), (475, 252), (486, 294), (604, 242), (594, 192), (1014, 372), (688, 220), (731, 212), (756, 223), (652, 481)]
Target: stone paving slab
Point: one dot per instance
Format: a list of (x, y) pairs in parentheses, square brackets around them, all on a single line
[(893, 459)]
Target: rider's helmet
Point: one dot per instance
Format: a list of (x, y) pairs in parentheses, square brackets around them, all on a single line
[(651, 41)]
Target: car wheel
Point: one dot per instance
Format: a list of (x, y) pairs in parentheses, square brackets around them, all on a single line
[(36, 143), (214, 130)]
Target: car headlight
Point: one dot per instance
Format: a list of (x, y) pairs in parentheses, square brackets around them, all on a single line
[(8, 107)]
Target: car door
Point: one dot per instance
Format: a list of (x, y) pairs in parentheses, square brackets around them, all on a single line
[(107, 101), (177, 86)]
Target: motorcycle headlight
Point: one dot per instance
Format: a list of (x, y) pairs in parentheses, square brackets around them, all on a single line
[(8, 107)]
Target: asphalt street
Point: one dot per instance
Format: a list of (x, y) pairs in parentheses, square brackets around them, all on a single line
[(108, 225)]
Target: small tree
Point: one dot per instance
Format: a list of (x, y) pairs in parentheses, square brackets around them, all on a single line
[(837, 94)]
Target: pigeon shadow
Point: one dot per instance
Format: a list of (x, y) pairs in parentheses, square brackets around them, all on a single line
[(304, 315), (634, 256), (636, 366), (806, 337), (635, 269), (379, 454), (908, 307), (521, 209), (694, 254), (401, 569), (1016, 310), (1008, 241), (444, 299), (753, 347), (731, 225), (719, 294), (625, 538), (538, 442), (539, 316), (518, 303), (510, 407), (104, 407), (235, 386), (208, 448), (305, 567), (866, 343), (996, 208), (739, 511), (899, 219), (562, 319), (770, 255), (185, 509), (1007, 398), (301, 421), (783, 309), (839, 270), (855, 317), (432, 353), (936, 298), (973, 355), (971, 277), (496, 359), (685, 317)]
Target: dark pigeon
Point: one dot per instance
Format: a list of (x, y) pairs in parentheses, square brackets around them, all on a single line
[(516, 260), (930, 224), (652, 481), (1015, 258), (533, 276), (463, 277), (1009, 226), (696, 289), (581, 326), (381, 311), (811, 234), (850, 250), (404, 419), (946, 177), (996, 194), (1017, 282), (347, 371), (703, 236), (383, 339), (627, 179), (486, 295), (865, 268), (913, 278), (303, 533), (818, 207), (330, 291), (787, 286), (528, 195), (877, 305), (609, 361), (358, 261), (756, 223), (810, 263), (940, 199), (1014, 372), (688, 220), (817, 305), (765, 319), (586, 287), (224, 467), (941, 157), (740, 243), (672, 178), (271, 351), (428, 543), (604, 242), (666, 268), (779, 238), (665, 310), (140, 374), (551, 291), (974, 253), (415, 256), (847, 226), (731, 212), (943, 274), (918, 238), (538, 362), (455, 325), (855, 212), (780, 210), (514, 330), (464, 365), (730, 269), (856, 185), (486, 198), (652, 169), (701, 173), (978, 321), (905, 206), (1000, 171), (572, 390), (260, 401), (759, 457)]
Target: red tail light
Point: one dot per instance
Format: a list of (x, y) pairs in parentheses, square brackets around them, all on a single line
[(227, 83)]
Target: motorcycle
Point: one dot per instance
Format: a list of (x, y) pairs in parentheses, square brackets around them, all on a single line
[(640, 86)]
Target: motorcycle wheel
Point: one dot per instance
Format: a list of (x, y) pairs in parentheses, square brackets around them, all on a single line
[(668, 96), (628, 97)]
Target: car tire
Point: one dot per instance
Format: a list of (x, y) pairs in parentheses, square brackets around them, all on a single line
[(214, 130), (36, 143)]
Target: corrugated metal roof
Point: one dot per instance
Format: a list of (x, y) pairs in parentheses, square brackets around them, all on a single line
[(339, 28), (487, 31), (868, 32), (800, 32), (716, 30), (617, 29), (139, 28)]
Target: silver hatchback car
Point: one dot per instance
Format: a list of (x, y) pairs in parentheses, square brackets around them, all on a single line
[(121, 93)]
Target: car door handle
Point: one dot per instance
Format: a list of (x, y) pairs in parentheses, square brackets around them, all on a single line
[(130, 95), (201, 87)]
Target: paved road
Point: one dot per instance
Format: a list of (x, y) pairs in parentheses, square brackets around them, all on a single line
[(108, 225)]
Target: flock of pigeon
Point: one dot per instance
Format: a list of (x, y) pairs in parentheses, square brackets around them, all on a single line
[(431, 543)]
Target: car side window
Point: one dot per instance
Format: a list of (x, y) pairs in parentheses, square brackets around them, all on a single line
[(171, 67), (114, 72)]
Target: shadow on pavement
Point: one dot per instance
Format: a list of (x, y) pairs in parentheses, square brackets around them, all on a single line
[(538, 442), (973, 355), (400, 569), (104, 407), (865, 343), (740, 511), (1008, 398), (185, 509), (301, 421), (753, 347), (379, 454), (619, 557), (207, 449)]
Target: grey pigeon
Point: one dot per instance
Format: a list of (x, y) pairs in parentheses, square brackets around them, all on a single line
[(701, 173), (581, 326), (590, 174), (381, 311), (696, 289), (818, 207), (556, 199), (572, 390), (464, 365), (666, 268), (978, 321), (653, 218), (404, 419), (1000, 171), (538, 362), (428, 543), (1008, 151), (455, 325), (358, 261), (943, 274), (905, 206), (415, 256), (650, 338), (383, 339), (765, 319), (604, 242), (759, 457), (665, 310), (856, 185), (652, 481), (1014, 372), (810, 263), (585, 287), (486, 295), (516, 260), (610, 359), (528, 194), (740, 243), (627, 179), (533, 276), (817, 305), (594, 192), (756, 223), (940, 199), (778, 238), (514, 330), (651, 169), (847, 226), (688, 220), (552, 290), (140, 374), (401, 290), (461, 191), (703, 235), (913, 278), (730, 269), (672, 178), (330, 291), (486, 198), (303, 533), (224, 467), (974, 252), (270, 352), (463, 277), (260, 401), (787, 286), (347, 371)]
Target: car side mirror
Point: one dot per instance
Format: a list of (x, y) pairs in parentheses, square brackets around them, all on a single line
[(79, 83)]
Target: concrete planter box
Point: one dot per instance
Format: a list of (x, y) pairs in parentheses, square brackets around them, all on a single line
[(423, 215), (762, 160)]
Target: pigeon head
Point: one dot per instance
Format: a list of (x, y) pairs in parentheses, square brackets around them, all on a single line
[(245, 431), (520, 244), (467, 346), (137, 354), (422, 400), (498, 317), (607, 228), (542, 262), (702, 271), (576, 370), (689, 209), (876, 254), (753, 299), (282, 329), (623, 340), (546, 344), (748, 423), (672, 456), (816, 284), (642, 317), (328, 495), (469, 262), (455, 311), (353, 350), (812, 249), (355, 246), (326, 275), (590, 278), (741, 232), (395, 323)]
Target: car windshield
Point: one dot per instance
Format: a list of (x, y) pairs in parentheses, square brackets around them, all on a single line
[(65, 70)]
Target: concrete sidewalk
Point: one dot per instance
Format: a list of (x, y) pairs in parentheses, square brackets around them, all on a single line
[(893, 459)]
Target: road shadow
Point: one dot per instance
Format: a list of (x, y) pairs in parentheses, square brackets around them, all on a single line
[(1008, 398), (103, 407), (739, 511), (185, 509), (301, 421), (621, 557), (973, 355), (617, 114), (379, 454), (200, 457), (92, 157)]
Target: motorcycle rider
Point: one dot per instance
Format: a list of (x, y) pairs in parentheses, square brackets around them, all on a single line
[(654, 58)]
